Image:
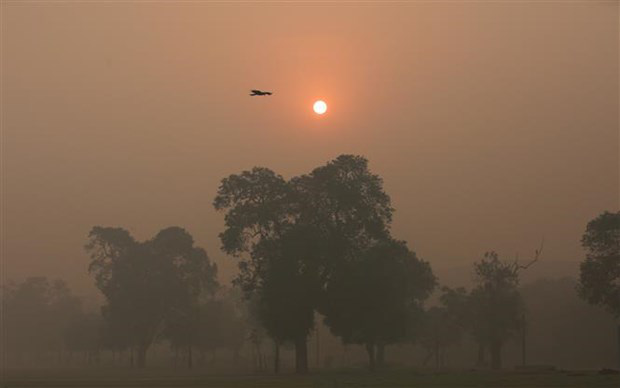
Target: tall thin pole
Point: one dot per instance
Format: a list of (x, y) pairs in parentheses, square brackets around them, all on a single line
[(318, 356), (523, 333), (618, 345)]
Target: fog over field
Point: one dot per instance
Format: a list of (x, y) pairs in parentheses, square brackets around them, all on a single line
[(469, 152)]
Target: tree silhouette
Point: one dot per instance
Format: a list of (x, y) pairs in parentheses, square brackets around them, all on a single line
[(290, 290), (496, 304), (85, 334), (148, 284), (373, 298), (600, 271), (443, 326), (261, 220), (349, 210), (294, 233), (439, 332), (599, 281), (36, 314), (347, 204)]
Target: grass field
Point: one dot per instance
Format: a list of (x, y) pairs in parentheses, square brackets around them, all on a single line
[(349, 378)]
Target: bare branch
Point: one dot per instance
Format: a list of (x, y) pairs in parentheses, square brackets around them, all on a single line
[(536, 257)]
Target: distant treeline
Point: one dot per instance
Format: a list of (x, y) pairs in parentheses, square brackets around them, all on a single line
[(316, 245)]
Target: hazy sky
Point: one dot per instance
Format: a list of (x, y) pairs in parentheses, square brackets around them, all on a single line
[(492, 123)]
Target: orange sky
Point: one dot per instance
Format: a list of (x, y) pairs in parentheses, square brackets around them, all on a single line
[(492, 123)]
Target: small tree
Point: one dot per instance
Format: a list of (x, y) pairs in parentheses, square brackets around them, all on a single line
[(599, 281), (37, 312), (496, 304), (84, 334), (372, 300), (439, 332), (443, 326)]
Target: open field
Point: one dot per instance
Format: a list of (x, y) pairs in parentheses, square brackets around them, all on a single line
[(349, 378)]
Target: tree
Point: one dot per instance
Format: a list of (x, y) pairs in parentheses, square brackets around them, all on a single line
[(496, 305), (348, 210), (231, 324), (84, 334), (599, 282), (256, 333), (227, 327), (492, 312), (374, 299), (114, 337), (443, 326), (184, 328), (294, 233), (37, 312), (439, 332), (261, 221), (289, 291), (213, 323), (347, 205), (600, 271), (147, 284)]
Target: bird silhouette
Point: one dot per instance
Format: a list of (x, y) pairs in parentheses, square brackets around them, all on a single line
[(259, 93)]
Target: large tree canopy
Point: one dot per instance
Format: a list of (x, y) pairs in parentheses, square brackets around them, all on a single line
[(292, 235), (347, 204), (257, 204)]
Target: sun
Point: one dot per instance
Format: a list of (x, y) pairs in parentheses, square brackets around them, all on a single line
[(320, 107)]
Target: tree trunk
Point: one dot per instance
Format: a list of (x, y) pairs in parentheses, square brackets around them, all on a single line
[(437, 363), (370, 348), (276, 358), (301, 355), (190, 361), (131, 360), (380, 355), (496, 355)]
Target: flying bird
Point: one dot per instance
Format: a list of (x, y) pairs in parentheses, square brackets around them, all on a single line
[(259, 93)]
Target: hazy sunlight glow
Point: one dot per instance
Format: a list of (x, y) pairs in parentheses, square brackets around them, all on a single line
[(320, 107)]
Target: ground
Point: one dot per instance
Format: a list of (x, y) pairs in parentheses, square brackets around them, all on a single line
[(344, 378)]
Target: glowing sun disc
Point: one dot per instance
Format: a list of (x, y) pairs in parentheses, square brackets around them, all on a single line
[(320, 107)]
